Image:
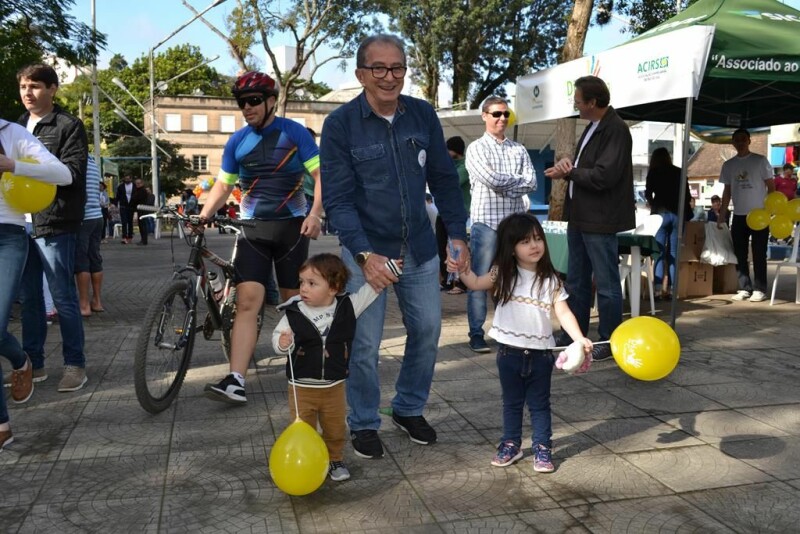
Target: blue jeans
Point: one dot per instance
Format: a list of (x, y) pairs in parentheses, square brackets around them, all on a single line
[(13, 251), (667, 234), (525, 378), (55, 256), (741, 235), (483, 245), (594, 253), (421, 306)]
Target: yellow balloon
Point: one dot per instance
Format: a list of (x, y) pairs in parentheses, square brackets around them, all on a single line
[(758, 219), (645, 348), (792, 209), (775, 202), (25, 194), (781, 227), (298, 461), (512, 118)]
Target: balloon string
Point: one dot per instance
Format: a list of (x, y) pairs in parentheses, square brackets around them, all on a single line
[(593, 343), (294, 385)]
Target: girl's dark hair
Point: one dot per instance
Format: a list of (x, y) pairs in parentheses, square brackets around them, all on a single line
[(660, 158), (511, 231), (330, 267)]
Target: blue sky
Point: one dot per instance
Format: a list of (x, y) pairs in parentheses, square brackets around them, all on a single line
[(133, 27)]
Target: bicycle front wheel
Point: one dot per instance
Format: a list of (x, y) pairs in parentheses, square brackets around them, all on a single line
[(164, 347)]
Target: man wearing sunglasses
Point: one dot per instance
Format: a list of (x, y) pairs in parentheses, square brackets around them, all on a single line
[(268, 158), (501, 174), (379, 152)]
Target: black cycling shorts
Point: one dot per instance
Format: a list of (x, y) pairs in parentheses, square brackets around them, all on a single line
[(272, 242)]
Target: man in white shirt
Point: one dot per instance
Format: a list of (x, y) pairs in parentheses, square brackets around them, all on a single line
[(748, 179), (502, 175)]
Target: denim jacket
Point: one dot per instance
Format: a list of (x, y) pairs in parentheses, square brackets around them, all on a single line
[(374, 175)]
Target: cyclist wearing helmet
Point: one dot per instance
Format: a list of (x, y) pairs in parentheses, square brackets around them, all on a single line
[(268, 157)]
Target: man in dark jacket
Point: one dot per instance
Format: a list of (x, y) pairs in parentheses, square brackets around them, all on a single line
[(55, 230), (599, 204)]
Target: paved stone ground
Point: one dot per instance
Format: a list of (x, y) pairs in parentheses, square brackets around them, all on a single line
[(715, 447)]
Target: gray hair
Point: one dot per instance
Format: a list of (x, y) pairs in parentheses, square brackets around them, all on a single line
[(386, 38)]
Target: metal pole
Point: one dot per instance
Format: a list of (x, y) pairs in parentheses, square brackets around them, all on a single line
[(154, 132), (95, 98), (687, 121)]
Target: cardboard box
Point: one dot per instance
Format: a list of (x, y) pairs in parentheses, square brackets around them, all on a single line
[(695, 279), (726, 281), (687, 253), (694, 237)]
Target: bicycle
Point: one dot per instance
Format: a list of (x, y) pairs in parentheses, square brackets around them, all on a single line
[(166, 341)]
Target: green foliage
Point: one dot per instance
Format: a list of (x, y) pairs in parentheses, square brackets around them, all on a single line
[(31, 29), (481, 44), (643, 14), (173, 172)]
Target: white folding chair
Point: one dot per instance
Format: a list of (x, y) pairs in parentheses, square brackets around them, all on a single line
[(648, 225), (791, 261)]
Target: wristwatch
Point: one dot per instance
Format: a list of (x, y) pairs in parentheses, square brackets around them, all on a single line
[(361, 258)]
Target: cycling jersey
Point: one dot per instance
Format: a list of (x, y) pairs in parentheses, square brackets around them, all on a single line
[(269, 164)]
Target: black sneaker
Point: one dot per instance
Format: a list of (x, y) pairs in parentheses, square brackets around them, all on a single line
[(228, 390), (417, 428), (367, 444), (601, 352), (478, 344)]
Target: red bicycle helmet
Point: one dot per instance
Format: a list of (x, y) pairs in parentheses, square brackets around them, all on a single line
[(254, 82)]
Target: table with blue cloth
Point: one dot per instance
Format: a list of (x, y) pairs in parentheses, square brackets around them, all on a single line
[(637, 245)]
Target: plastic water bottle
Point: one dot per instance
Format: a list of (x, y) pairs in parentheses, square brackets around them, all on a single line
[(216, 284), (452, 277)]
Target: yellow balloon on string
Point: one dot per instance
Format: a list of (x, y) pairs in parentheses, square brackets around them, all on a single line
[(775, 202), (512, 118), (757, 219), (645, 348), (781, 227), (298, 462), (792, 209), (25, 194)]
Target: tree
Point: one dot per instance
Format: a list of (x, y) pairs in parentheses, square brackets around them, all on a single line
[(565, 128), (31, 29), (642, 14), (336, 24), (173, 171), (483, 44)]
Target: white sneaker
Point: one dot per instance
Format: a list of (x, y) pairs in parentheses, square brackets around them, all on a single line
[(741, 295), (758, 296)]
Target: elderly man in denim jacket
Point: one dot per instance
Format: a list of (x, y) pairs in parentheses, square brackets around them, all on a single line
[(378, 153)]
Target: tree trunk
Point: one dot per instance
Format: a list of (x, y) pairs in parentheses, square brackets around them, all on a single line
[(565, 128)]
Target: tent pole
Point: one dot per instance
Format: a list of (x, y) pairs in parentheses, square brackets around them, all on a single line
[(687, 126)]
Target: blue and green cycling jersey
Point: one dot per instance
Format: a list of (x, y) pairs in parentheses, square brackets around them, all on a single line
[(269, 164)]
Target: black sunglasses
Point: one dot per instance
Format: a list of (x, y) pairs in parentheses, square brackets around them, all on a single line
[(498, 114), (254, 101)]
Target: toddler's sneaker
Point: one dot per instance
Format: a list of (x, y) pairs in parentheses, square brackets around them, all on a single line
[(338, 471), (758, 296), (542, 459), (742, 294), (507, 453)]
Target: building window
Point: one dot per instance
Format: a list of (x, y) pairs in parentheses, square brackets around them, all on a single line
[(200, 163), (227, 123), (172, 122), (199, 123)]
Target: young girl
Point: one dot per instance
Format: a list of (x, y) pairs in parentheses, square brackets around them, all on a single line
[(526, 290), (317, 332)]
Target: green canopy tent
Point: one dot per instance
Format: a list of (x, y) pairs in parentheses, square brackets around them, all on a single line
[(752, 77)]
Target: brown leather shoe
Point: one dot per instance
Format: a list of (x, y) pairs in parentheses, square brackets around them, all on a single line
[(22, 383)]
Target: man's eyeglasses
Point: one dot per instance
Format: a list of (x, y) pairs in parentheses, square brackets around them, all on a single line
[(381, 72), (498, 114), (254, 101)]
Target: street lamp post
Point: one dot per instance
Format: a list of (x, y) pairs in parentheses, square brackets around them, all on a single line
[(153, 124)]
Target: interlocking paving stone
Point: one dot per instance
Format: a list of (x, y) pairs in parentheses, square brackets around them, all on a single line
[(752, 508), (626, 452), (646, 516), (635, 434), (716, 426), (694, 468)]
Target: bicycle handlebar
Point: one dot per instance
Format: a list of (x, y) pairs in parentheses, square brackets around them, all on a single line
[(195, 220)]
